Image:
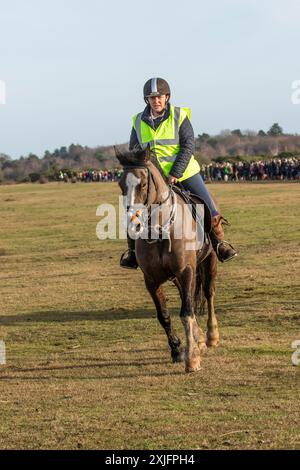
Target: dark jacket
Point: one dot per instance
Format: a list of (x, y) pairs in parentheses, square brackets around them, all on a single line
[(186, 140)]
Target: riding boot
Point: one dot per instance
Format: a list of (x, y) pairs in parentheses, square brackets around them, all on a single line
[(128, 259), (223, 249)]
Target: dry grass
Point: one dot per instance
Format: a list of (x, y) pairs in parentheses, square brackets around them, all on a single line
[(88, 365)]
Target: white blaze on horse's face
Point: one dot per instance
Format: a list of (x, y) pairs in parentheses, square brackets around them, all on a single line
[(131, 182), (134, 210)]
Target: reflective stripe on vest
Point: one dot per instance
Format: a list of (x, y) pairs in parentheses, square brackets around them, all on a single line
[(164, 141), (174, 141)]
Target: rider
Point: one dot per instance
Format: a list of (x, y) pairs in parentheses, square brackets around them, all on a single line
[(169, 131)]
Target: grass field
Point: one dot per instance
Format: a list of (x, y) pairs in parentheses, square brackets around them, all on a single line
[(88, 365)]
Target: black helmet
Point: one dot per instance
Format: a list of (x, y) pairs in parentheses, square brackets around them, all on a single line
[(156, 87)]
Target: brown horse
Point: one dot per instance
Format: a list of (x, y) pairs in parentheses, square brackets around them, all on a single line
[(168, 259)]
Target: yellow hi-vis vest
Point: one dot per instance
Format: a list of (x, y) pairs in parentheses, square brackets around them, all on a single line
[(164, 141)]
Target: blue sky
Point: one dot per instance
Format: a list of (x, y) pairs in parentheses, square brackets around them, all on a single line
[(74, 70)]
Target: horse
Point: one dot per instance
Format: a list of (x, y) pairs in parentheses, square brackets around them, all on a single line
[(192, 271)]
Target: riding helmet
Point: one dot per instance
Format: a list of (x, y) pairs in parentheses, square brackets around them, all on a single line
[(156, 87)]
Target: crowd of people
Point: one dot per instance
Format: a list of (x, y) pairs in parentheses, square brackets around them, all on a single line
[(91, 175), (275, 169)]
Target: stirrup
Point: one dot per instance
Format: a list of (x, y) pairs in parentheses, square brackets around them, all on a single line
[(222, 242), (122, 256), (134, 265), (224, 222)]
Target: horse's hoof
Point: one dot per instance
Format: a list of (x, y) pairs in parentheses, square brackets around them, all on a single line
[(190, 370), (178, 357), (193, 365), (212, 343)]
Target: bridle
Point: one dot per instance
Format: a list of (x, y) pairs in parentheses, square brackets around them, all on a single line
[(149, 178), (161, 231), (149, 183)]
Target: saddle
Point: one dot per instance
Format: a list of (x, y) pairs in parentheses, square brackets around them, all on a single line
[(192, 200)]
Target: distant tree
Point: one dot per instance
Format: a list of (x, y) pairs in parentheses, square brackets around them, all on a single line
[(4, 160), (212, 142), (32, 157), (261, 133), (4, 157), (237, 132), (285, 155), (203, 137), (34, 177), (220, 159), (275, 130), (7, 164), (47, 154), (63, 152), (100, 156), (75, 150), (52, 172)]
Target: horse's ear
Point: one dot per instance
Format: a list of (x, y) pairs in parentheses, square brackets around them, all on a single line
[(118, 153), (148, 153)]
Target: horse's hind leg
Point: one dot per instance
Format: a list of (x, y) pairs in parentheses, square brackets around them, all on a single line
[(159, 298), (195, 341), (210, 272)]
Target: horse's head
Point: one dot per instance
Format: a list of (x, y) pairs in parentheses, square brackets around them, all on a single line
[(142, 184), (139, 182), (134, 182)]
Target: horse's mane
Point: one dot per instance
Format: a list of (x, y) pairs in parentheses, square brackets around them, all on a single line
[(155, 163)]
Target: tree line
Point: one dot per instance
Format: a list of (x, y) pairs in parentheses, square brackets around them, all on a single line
[(230, 144)]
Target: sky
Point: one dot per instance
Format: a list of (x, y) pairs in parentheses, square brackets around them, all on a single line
[(74, 70)]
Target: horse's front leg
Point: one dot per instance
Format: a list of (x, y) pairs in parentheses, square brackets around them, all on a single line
[(195, 339), (163, 315)]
